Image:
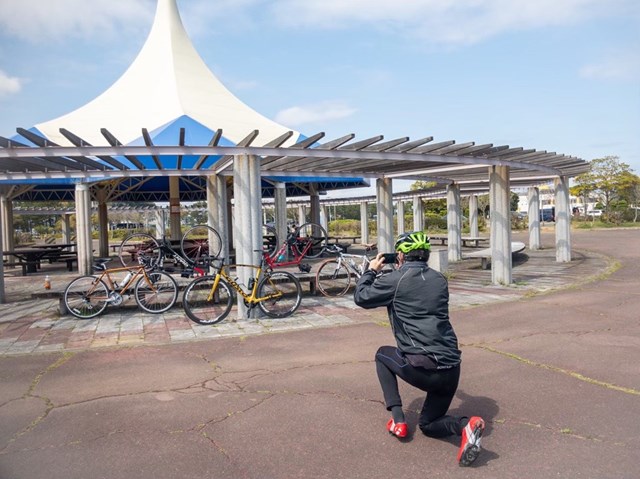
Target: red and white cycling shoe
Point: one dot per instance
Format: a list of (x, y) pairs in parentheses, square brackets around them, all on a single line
[(398, 430), (470, 443)]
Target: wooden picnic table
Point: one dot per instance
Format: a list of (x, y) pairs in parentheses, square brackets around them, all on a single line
[(475, 240), (29, 258), (339, 239)]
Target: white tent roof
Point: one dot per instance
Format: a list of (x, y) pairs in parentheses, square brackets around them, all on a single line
[(168, 80)]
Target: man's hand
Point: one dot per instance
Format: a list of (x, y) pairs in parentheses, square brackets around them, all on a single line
[(377, 263)]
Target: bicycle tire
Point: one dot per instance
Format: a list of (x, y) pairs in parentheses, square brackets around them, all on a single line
[(82, 304), (269, 241), (288, 302), (314, 233), (333, 278), (197, 305), (159, 298), (138, 244), (200, 242)]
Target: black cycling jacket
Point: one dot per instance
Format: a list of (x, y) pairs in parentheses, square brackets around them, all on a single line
[(417, 300)]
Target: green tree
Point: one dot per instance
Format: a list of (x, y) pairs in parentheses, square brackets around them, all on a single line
[(608, 179), (515, 200), (630, 193), (422, 185)]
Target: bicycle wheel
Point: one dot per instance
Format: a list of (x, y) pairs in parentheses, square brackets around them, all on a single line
[(138, 244), (157, 294), (333, 278), (86, 297), (200, 242), (313, 234), (205, 306), (269, 240), (285, 291)]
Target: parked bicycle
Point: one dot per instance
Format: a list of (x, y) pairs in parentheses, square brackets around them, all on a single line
[(333, 277), (88, 296), (306, 241), (197, 246), (208, 300)]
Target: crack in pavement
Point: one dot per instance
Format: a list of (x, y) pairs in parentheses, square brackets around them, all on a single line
[(558, 369), (237, 385), (49, 406), (576, 333), (555, 430)]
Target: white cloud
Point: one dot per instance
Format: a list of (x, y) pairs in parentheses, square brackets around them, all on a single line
[(434, 21), (445, 21), (38, 21), (617, 67), (9, 85), (315, 113), (204, 17)]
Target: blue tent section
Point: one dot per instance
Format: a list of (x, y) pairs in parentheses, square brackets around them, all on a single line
[(195, 133), (156, 188)]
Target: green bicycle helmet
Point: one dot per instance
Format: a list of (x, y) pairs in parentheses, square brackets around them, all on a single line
[(415, 240)]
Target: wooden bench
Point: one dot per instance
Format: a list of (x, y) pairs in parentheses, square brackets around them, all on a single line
[(22, 264), (337, 239), (485, 254), (442, 238), (476, 240), (69, 259)]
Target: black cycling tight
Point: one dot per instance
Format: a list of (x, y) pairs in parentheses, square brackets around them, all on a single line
[(439, 384)]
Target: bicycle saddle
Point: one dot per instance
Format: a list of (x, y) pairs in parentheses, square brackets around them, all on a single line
[(100, 264)]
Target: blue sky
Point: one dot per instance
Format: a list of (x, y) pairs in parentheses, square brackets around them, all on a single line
[(555, 75)]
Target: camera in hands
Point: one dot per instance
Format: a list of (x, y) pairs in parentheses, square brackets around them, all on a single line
[(389, 258)]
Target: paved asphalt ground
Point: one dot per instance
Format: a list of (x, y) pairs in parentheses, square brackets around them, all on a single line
[(555, 375)]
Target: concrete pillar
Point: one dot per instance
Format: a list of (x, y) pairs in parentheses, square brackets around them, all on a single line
[(6, 232), (6, 213), (217, 210), (2, 248), (563, 220), (400, 217), (454, 223), (384, 198), (242, 224), (280, 200), (248, 224), (474, 231), (533, 197), (174, 208), (229, 220), (324, 219), (499, 197), (302, 215), (418, 214), (314, 200), (66, 228), (83, 229), (364, 222), (103, 222), (161, 221), (256, 210)]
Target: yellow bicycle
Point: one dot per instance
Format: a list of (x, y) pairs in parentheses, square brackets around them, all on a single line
[(208, 299)]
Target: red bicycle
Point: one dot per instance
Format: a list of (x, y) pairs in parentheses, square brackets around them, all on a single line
[(306, 241)]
